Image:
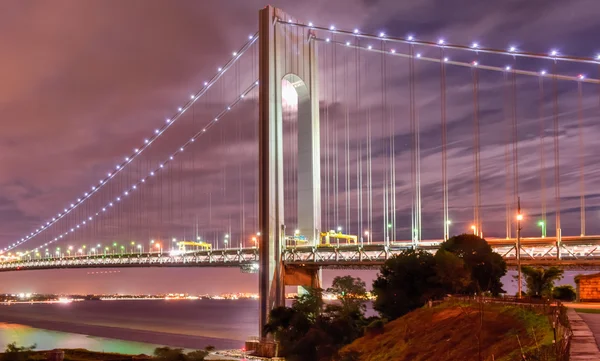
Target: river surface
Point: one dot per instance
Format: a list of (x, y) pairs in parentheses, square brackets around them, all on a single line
[(131, 327)]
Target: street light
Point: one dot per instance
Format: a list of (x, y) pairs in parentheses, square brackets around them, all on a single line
[(519, 219), (368, 235), (474, 229), (157, 246), (339, 228), (255, 242), (139, 246), (543, 225)]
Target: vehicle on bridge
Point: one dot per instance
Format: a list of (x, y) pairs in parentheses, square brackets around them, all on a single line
[(327, 236), (189, 246)]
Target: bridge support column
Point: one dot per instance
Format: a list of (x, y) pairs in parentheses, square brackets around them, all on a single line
[(285, 53), (304, 278)]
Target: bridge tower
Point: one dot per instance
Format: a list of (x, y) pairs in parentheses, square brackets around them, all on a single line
[(285, 53)]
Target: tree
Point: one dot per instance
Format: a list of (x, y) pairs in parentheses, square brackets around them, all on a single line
[(540, 281), (17, 353), (405, 282), (452, 272), (310, 303), (564, 293), (485, 266), (352, 293)]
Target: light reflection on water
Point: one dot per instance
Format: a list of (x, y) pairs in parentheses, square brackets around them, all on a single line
[(48, 340)]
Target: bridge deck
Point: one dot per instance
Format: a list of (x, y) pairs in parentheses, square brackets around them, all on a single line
[(575, 252)]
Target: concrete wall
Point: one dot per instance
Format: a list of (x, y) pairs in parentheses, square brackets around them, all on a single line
[(588, 288)]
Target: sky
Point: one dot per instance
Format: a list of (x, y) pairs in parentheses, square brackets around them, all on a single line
[(84, 82)]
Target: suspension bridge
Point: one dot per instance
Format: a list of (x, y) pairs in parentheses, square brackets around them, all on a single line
[(317, 147)]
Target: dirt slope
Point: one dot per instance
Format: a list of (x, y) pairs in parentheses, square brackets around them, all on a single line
[(451, 332)]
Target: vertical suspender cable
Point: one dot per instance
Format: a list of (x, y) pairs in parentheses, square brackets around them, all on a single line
[(581, 156), (515, 137), (415, 158), (507, 159), (444, 143), (476, 149), (556, 162), (542, 158), (347, 143)]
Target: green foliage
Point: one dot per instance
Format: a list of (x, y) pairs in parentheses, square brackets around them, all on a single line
[(177, 354), (564, 293), (405, 282), (540, 281), (310, 304), (311, 330), (351, 292), (17, 353), (452, 272), (485, 266)]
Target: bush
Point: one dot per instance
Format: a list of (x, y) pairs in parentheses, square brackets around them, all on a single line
[(564, 293), (176, 354), (17, 353), (375, 328)]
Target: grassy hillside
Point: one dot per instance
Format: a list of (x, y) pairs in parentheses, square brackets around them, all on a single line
[(451, 331)]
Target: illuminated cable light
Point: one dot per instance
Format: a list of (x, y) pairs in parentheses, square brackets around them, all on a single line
[(327, 40), (192, 96), (180, 109), (332, 27), (136, 150), (356, 31), (382, 34), (205, 83), (146, 141), (370, 47), (554, 52), (234, 53), (242, 96), (118, 199), (181, 149), (151, 173), (512, 49), (441, 42), (219, 69), (393, 51), (310, 24), (110, 204), (156, 131), (507, 68), (228, 108), (347, 43), (418, 55), (94, 188), (127, 159), (475, 45), (171, 157), (411, 38), (134, 186)]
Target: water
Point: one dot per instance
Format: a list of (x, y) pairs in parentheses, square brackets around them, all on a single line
[(130, 326)]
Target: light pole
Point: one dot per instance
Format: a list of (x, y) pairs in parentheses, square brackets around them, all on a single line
[(474, 229), (519, 219), (139, 246), (226, 240), (173, 243), (543, 225), (368, 235), (255, 242)]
